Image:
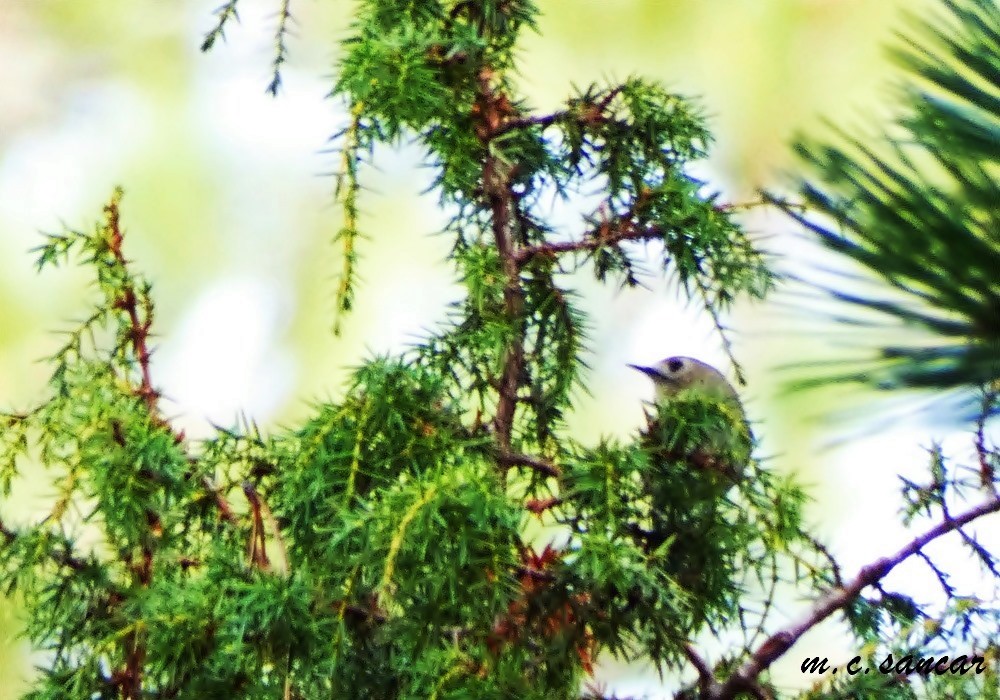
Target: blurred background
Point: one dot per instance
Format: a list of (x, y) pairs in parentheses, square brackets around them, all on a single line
[(229, 211)]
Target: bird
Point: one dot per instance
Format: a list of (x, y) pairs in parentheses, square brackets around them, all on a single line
[(694, 452), (702, 413), (676, 374)]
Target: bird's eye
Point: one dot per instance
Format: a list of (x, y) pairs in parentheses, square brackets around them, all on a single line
[(674, 365)]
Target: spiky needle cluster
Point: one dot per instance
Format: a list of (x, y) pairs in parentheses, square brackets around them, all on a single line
[(385, 548)]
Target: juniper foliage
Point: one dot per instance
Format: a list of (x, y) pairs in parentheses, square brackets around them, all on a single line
[(389, 547)]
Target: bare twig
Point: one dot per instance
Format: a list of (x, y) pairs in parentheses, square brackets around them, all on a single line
[(987, 474), (139, 331), (225, 13), (64, 558), (262, 516), (540, 505), (280, 47), (529, 121), (619, 231), (587, 113), (138, 308), (744, 679), (511, 459), (129, 302), (707, 683)]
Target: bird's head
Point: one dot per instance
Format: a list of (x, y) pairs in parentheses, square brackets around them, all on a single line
[(677, 374)]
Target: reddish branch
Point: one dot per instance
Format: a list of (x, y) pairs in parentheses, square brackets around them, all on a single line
[(529, 121), (608, 232), (706, 679), (492, 109), (494, 115), (260, 516), (256, 553), (621, 229), (139, 330), (512, 459), (744, 679), (540, 505), (128, 301), (586, 114), (128, 678), (64, 558)]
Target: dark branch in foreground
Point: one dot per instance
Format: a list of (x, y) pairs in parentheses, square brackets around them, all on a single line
[(744, 679)]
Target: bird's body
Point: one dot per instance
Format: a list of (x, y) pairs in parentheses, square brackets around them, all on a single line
[(693, 454)]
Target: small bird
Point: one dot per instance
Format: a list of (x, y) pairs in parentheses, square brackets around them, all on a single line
[(683, 383), (695, 451), (675, 374)]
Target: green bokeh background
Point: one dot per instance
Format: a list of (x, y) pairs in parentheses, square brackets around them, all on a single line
[(229, 213)]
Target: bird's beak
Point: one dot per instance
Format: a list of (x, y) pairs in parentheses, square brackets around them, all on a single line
[(648, 371)]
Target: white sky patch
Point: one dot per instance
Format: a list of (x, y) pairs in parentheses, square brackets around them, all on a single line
[(66, 166), (223, 360)]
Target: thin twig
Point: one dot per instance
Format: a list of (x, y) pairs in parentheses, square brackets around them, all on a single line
[(706, 678), (65, 558), (987, 474), (258, 538), (512, 459), (280, 47), (528, 121), (139, 331), (621, 231), (129, 302), (225, 13), (540, 505), (745, 677)]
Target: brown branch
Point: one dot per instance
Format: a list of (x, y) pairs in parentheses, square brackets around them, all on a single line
[(744, 679), (527, 122), (492, 109), (612, 94), (64, 558), (513, 459), (225, 510), (129, 678), (258, 537), (494, 115), (139, 310), (128, 302), (540, 505), (707, 684), (139, 337), (256, 549), (586, 114), (609, 233)]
